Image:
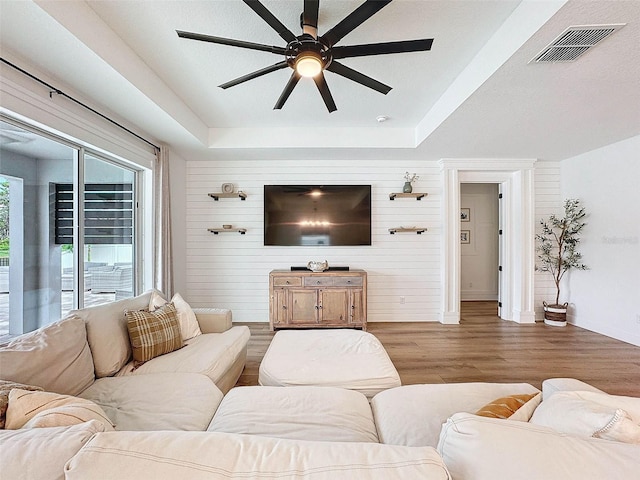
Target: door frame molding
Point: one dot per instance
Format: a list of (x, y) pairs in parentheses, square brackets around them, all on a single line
[(516, 178)]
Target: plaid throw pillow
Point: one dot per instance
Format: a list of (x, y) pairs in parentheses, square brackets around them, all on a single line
[(153, 333)]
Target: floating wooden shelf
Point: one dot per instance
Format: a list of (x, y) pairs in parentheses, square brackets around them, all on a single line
[(417, 195), (240, 195), (418, 230), (216, 231)]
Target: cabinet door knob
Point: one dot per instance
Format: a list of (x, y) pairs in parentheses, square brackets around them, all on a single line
[(287, 282), (284, 307), (353, 307), (318, 282)]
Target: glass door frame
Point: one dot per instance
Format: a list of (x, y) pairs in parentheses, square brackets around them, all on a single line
[(142, 229)]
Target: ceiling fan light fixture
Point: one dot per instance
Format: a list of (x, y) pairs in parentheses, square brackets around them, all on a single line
[(308, 64)]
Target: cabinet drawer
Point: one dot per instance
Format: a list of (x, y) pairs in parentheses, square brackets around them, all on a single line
[(287, 281), (347, 281), (318, 281)]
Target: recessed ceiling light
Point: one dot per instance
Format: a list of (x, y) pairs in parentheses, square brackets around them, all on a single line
[(382, 118)]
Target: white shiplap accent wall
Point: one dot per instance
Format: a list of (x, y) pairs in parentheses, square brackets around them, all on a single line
[(548, 200), (231, 270)]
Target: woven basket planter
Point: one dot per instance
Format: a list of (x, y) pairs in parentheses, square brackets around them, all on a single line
[(555, 315)]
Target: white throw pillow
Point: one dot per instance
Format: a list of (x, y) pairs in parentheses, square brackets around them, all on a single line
[(569, 412), (189, 326), (29, 409), (631, 405)]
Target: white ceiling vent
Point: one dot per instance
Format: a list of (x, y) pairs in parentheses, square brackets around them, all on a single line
[(575, 41)]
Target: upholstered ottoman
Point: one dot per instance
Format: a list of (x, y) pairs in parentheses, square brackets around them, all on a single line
[(349, 359), (298, 413)]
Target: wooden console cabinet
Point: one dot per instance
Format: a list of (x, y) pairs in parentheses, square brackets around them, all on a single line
[(304, 299)]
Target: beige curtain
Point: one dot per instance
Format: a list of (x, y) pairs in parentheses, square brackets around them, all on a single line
[(163, 255)]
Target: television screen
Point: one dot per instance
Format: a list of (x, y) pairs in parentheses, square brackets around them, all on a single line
[(317, 215)]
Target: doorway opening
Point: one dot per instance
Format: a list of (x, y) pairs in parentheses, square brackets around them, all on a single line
[(515, 178), (479, 252)]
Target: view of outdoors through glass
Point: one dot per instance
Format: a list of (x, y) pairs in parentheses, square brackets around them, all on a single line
[(38, 279)]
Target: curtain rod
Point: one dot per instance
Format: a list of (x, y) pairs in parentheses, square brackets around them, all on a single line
[(57, 91)]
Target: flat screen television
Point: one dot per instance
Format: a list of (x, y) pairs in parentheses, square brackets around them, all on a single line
[(315, 215)]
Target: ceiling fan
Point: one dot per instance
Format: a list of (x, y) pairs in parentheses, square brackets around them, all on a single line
[(309, 55)]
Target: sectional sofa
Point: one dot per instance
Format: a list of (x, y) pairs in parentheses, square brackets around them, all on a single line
[(177, 416)]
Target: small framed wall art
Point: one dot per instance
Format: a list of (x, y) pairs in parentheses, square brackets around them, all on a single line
[(465, 236), (465, 214)]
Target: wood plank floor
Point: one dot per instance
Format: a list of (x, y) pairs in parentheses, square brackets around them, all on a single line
[(484, 348)]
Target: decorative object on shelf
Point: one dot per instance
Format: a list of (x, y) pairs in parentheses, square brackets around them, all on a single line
[(318, 266), (465, 214), (557, 254), (409, 179), (417, 196), (227, 188), (418, 230), (465, 236)]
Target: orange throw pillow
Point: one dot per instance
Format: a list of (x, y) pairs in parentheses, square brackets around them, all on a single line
[(504, 407)]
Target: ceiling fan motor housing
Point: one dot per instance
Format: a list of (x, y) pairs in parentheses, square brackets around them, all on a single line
[(306, 45)]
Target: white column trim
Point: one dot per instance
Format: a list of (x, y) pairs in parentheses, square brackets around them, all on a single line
[(516, 177)]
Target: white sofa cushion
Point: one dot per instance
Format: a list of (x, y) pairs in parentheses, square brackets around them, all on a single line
[(41, 453), (413, 415), (157, 401), (55, 357), (302, 413), (29, 409), (212, 455), (552, 385), (480, 448), (591, 414), (210, 354), (108, 322)]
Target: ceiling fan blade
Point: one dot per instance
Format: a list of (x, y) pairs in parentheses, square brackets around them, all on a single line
[(353, 20), (231, 42), (321, 83), (273, 22), (358, 77), (382, 48), (291, 84), (310, 17), (256, 74)]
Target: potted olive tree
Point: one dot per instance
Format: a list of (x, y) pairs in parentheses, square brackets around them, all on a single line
[(557, 254)]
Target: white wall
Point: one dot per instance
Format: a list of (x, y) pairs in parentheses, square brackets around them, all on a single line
[(479, 258), (231, 270), (606, 298)]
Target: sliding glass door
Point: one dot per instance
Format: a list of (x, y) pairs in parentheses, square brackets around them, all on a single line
[(67, 228), (109, 192)]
